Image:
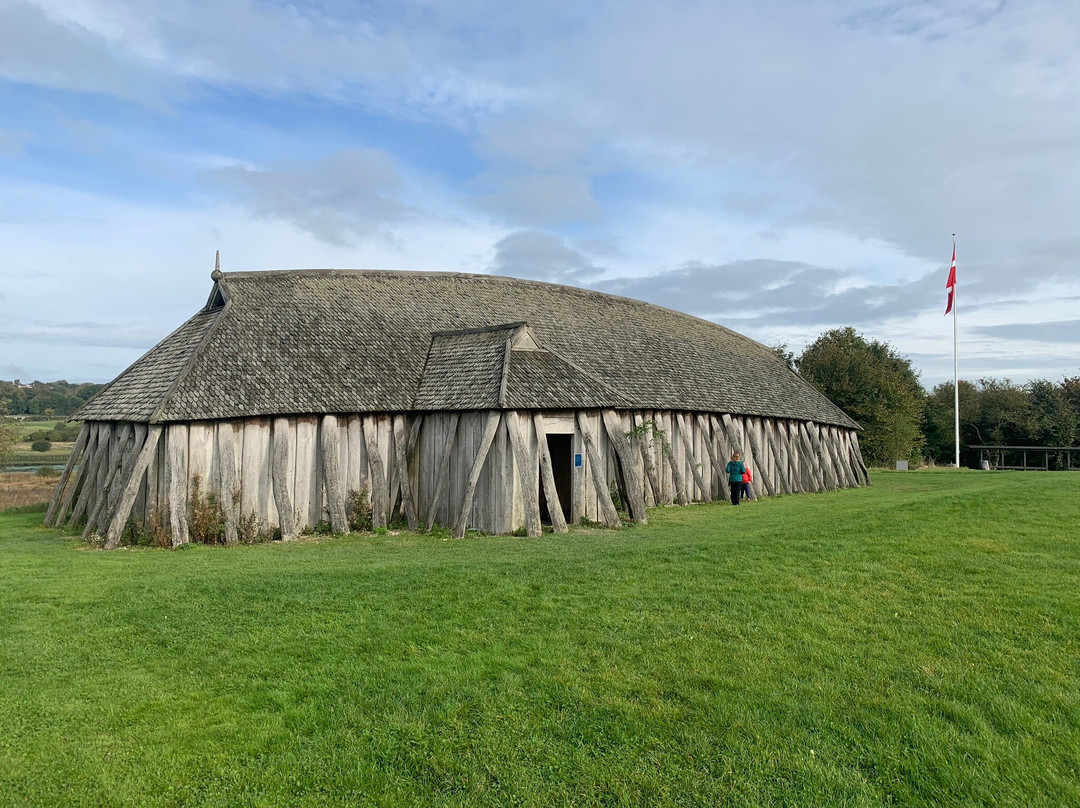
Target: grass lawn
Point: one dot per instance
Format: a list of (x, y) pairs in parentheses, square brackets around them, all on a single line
[(916, 643)]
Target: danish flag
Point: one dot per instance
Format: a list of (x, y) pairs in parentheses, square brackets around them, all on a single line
[(951, 283)]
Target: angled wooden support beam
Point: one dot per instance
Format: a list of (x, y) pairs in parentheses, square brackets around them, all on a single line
[(89, 485), (131, 485), (676, 472), (827, 472), (761, 470), (526, 477), (853, 437), (619, 437), (403, 440), (284, 458), (685, 431), (380, 493), (63, 495), (58, 496), (710, 447), (100, 513), (442, 472), (600, 482), (637, 423), (547, 477), (783, 484), (491, 425)]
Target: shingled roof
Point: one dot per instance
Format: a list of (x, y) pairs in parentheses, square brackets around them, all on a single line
[(341, 341)]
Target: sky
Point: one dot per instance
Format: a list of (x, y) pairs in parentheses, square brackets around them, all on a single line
[(782, 168)]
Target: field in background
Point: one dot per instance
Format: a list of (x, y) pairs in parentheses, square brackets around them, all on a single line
[(25, 456), (22, 490), (913, 644)]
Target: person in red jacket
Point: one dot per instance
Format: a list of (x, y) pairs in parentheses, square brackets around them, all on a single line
[(747, 492)]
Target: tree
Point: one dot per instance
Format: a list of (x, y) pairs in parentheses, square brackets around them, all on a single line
[(939, 429), (873, 384), (781, 351), (8, 436), (1054, 422), (41, 445)]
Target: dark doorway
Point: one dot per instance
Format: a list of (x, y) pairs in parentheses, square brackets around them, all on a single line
[(562, 468)]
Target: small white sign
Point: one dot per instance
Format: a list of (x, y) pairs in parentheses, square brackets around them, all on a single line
[(901, 465)]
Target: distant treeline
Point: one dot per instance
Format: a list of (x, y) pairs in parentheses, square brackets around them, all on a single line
[(45, 398), (880, 389)]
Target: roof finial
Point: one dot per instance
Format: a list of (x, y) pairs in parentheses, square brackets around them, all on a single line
[(216, 274)]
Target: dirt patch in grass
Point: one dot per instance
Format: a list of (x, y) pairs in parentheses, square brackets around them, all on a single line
[(21, 490)]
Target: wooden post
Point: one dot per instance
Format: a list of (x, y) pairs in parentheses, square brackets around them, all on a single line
[(442, 472), (176, 466), (330, 443), (131, 486), (58, 496), (380, 508), (284, 458), (491, 424), (523, 461), (685, 430), (620, 440), (404, 439), (226, 438), (600, 483), (547, 476)]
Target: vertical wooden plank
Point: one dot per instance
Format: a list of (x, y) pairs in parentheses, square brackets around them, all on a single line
[(401, 460), (356, 478), (577, 500), (379, 487), (307, 503), (228, 484), (284, 459), (330, 444), (492, 420), (674, 460), (176, 472), (443, 469)]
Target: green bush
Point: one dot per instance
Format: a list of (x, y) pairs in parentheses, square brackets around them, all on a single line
[(41, 445)]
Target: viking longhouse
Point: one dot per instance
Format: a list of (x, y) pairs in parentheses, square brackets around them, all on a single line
[(468, 401)]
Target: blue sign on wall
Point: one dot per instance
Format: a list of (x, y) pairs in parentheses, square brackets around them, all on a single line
[(577, 461)]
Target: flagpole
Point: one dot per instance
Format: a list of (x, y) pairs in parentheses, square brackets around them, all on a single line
[(955, 369)]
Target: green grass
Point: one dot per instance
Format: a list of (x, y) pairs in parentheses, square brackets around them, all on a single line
[(917, 643)]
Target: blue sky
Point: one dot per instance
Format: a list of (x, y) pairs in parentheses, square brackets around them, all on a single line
[(779, 167)]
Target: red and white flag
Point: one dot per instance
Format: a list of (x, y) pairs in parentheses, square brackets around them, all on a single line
[(951, 283)]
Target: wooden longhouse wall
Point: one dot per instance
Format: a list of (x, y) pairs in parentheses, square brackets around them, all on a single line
[(454, 400), (671, 458)]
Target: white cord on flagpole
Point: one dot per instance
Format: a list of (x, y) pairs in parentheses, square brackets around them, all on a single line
[(955, 370)]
